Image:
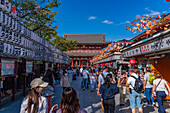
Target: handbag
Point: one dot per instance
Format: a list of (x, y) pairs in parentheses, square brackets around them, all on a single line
[(156, 87)]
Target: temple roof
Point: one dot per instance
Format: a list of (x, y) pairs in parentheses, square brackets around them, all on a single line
[(87, 38), (81, 54)]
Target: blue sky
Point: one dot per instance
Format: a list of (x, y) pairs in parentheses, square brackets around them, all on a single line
[(109, 17)]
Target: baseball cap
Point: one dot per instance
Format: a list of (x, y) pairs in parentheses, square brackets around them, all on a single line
[(38, 82)]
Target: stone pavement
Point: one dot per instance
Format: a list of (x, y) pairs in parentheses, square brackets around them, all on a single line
[(88, 100)]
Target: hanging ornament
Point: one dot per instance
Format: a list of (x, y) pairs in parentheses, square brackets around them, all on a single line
[(132, 61)]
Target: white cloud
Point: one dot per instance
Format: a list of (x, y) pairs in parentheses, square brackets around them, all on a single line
[(164, 12), (92, 18), (107, 22), (125, 22), (152, 12)]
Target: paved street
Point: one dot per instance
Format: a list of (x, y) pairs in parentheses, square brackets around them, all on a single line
[(89, 101)]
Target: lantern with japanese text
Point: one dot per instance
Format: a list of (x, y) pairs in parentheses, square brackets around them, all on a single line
[(132, 61)]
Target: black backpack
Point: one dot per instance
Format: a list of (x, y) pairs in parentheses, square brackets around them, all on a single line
[(138, 84)]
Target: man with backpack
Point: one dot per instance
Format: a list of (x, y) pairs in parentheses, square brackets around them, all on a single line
[(134, 86), (148, 85), (101, 78)]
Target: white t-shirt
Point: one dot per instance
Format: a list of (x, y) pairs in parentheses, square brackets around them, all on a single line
[(85, 74), (146, 77), (161, 86), (131, 80)]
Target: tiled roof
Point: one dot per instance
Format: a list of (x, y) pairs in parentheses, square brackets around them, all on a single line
[(81, 54), (87, 38)]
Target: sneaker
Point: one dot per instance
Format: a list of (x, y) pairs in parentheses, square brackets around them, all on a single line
[(153, 104)]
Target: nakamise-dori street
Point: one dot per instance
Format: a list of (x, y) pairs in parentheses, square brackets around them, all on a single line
[(84, 56)]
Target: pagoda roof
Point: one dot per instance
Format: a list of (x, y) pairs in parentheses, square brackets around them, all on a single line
[(87, 38), (81, 54)]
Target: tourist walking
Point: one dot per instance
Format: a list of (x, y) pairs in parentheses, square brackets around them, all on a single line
[(134, 96), (85, 78), (81, 70), (93, 80), (148, 87), (69, 102), (49, 90), (101, 82), (70, 74), (34, 102), (108, 91), (159, 85), (65, 81), (122, 88)]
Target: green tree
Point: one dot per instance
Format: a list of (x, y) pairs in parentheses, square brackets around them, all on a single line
[(64, 44), (39, 16)]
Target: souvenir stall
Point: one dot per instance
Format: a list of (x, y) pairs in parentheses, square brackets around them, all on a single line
[(111, 56), (152, 52), (20, 48)]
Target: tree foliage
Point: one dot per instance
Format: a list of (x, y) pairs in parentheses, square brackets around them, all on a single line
[(64, 44), (149, 24), (39, 16)]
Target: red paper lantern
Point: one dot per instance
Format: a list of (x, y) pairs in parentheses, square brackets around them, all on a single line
[(106, 64), (132, 61), (111, 63)]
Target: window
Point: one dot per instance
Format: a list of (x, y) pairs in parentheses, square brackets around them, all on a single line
[(7, 67), (29, 67)]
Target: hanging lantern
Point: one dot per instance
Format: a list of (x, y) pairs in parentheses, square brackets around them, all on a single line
[(111, 63), (132, 61), (106, 64)]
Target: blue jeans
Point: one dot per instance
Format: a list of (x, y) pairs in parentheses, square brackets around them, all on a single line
[(135, 99), (160, 95), (70, 77), (92, 84), (85, 83), (148, 92)]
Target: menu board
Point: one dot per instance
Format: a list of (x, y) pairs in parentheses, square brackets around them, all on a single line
[(7, 67), (29, 67)]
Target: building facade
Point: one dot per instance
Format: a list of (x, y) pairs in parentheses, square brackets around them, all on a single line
[(88, 46)]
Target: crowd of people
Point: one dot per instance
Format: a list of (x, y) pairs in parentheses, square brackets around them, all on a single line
[(107, 82)]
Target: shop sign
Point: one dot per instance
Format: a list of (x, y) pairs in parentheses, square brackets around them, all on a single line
[(156, 45), (132, 52)]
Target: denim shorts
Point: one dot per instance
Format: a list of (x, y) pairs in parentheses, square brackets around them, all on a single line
[(135, 99)]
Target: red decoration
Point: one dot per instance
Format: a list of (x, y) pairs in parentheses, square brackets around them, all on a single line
[(111, 63), (13, 9), (106, 64), (132, 61)]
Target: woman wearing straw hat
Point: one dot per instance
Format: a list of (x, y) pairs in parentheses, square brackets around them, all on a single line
[(34, 102)]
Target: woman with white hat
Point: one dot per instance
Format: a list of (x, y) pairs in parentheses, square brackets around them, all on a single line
[(34, 102)]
